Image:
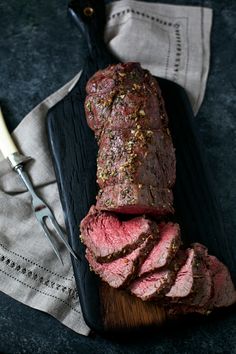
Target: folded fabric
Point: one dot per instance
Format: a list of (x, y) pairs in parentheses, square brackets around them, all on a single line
[(29, 270), (172, 42)]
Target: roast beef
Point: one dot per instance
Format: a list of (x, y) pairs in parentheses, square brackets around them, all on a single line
[(125, 109), (214, 289), (193, 282), (122, 96), (199, 300), (224, 293), (136, 173), (119, 272), (155, 285), (164, 250), (137, 156), (175, 310), (129, 198), (109, 238)]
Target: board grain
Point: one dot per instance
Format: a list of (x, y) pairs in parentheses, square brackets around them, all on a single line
[(122, 311)]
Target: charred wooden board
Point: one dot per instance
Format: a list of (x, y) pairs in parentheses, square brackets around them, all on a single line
[(74, 152)]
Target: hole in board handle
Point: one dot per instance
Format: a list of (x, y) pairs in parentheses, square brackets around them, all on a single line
[(88, 11)]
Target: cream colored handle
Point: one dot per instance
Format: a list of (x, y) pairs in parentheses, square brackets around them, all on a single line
[(7, 145)]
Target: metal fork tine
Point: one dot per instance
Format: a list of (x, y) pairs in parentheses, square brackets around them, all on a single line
[(60, 233), (48, 236), (42, 211)]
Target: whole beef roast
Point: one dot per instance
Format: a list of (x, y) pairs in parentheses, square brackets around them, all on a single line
[(129, 198), (122, 96), (120, 154), (164, 250), (136, 159), (110, 238), (119, 272)]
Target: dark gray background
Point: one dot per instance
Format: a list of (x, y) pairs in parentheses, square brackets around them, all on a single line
[(40, 50)]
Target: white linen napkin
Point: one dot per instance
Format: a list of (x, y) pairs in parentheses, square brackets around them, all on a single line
[(172, 42)]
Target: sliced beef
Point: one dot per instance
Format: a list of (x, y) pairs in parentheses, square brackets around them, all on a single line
[(108, 237), (155, 285), (175, 310), (192, 290), (136, 156), (199, 300), (193, 282), (224, 293), (202, 288), (119, 272), (214, 289), (165, 249), (129, 198)]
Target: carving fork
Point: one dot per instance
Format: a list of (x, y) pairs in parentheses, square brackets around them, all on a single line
[(40, 208)]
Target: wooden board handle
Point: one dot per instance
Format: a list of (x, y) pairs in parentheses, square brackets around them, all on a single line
[(7, 145), (90, 18), (122, 311)]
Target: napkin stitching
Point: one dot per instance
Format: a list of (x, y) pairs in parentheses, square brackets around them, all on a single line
[(157, 19), (40, 291), (178, 52), (169, 23), (37, 278), (187, 51), (34, 263)]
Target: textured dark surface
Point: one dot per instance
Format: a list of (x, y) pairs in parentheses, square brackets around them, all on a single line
[(36, 43)]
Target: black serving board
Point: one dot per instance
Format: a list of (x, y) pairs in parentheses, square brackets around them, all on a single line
[(74, 151)]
